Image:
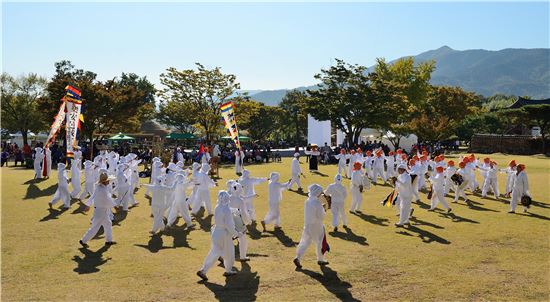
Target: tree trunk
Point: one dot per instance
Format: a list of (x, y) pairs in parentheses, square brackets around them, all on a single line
[(24, 134)]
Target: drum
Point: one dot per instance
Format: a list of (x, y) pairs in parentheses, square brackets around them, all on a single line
[(240, 227), (457, 179)]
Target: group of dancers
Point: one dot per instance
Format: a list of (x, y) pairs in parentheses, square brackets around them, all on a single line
[(176, 191)]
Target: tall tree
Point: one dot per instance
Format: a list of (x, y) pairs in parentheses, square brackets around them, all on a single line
[(258, 119), (540, 116), (445, 108), (295, 118), (19, 98), (345, 99), (406, 85), (201, 91), (119, 104)]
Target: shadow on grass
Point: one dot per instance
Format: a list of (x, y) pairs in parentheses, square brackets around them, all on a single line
[(319, 173), (533, 215), (33, 191), (330, 280), (426, 236), (254, 233), (373, 219), (53, 214), (241, 287), (34, 181), (154, 245), (81, 209), (204, 223), (422, 222), (540, 204), (422, 205), (456, 218), (179, 235), (119, 216), (91, 261), (476, 206), (349, 235), (283, 238), (299, 192)]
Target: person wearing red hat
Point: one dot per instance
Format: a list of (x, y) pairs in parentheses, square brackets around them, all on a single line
[(378, 167), (520, 189), (449, 172), (415, 171), (342, 158), (352, 160), (470, 172), (356, 188), (438, 189), (490, 179), (460, 187), (510, 172), (367, 161)]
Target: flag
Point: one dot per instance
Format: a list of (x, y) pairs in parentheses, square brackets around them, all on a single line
[(230, 122), (73, 116), (390, 199), (58, 121), (325, 247)]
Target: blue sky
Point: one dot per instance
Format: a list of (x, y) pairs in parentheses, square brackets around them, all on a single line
[(267, 46)]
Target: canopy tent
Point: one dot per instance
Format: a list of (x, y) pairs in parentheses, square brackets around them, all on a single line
[(176, 135), (242, 138), (120, 137)]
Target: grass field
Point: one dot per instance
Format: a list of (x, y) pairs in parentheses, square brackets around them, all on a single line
[(476, 253)]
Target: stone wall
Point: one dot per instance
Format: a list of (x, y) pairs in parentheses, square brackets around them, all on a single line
[(512, 144)]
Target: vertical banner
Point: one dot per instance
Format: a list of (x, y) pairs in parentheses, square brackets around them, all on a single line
[(230, 123), (72, 98), (58, 121)]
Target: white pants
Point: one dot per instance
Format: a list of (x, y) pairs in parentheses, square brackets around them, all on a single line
[(158, 222), (342, 168), (295, 180), (222, 245), (179, 208), (438, 196), (509, 183), (103, 221), (75, 181), (516, 198), (311, 234), (378, 172), (338, 214), (62, 194), (490, 183), (250, 208), (405, 209), (415, 191), (243, 245), (449, 185), (202, 198), (124, 197), (390, 172), (274, 215), (37, 170), (460, 191), (356, 199), (88, 189)]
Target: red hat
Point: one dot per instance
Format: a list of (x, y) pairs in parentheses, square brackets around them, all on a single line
[(442, 156), (486, 160), (379, 153), (412, 162), (439, 169), (342, 151), (424, 152), (399, 151), (472, 155), (466, 160), (357, 166), (369, 153), (416, 157), (521, 167), (359, 150), (451, 163), (352, 151), (403, 156), (494, 162), (512, 163), (391, 153), (462, 164), (423, 158)]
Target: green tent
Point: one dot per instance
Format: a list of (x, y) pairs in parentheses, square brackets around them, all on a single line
[(242, 138), (175, 135), (120, 137)]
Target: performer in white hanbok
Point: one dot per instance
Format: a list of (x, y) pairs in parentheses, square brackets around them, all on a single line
[(180, 207), (490, 182), (38, 158), (404, 188), (449, 172), (338, 194), (520, 189), (438, 189), (296, 172), (248, 184), (314, 230), (356, 188), (102, 202), (202, 195), (238, 207), (510, 172), (62, 192), (342, 158), (239, 162), (275, 195), (48, 162), (223, 232)]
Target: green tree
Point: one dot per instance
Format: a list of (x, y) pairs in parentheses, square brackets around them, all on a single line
[(540, 116), (405, 85), (482, 122), (443, 111), (200, 92), (295, 116), (257, 119), (116, 105), (345, 99), (20, 97)]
